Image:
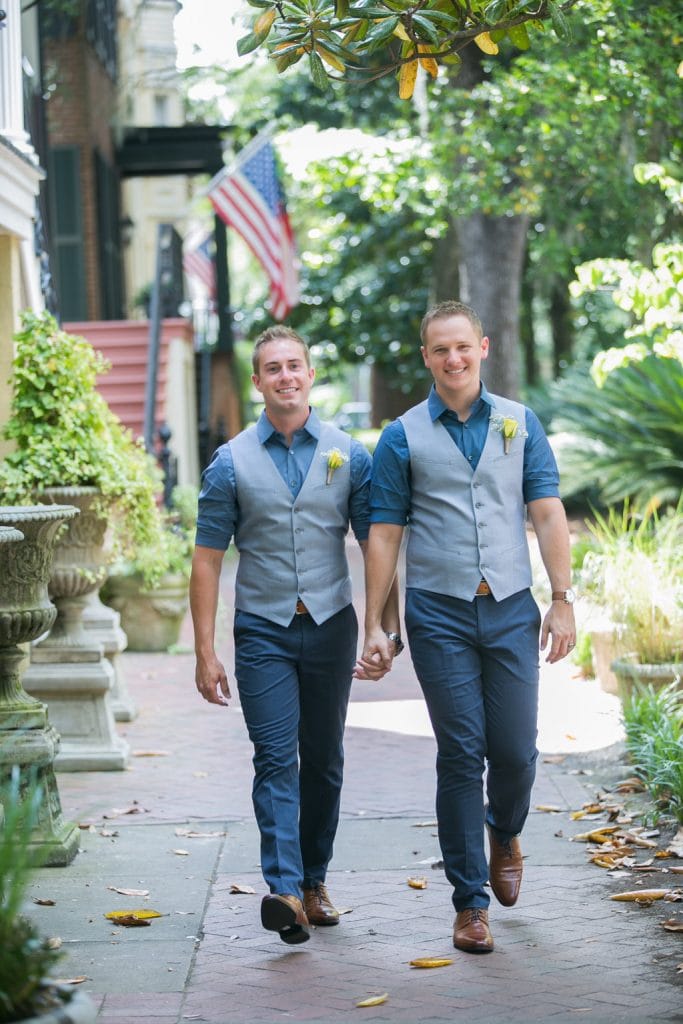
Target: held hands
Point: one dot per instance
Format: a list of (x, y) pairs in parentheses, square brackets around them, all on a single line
[(558, 624), (377, 656), (211, 680)]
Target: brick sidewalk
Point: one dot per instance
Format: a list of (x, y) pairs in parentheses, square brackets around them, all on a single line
[(563, 953)]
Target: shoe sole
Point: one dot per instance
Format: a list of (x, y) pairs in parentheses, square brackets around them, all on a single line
[(474, 949), (278, 916)]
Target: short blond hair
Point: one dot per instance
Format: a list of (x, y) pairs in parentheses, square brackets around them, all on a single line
[(444, 310)]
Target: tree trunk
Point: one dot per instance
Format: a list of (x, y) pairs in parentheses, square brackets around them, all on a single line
[(561, 325), (526, 319), (445, 279), (491, 260), (389, 402)]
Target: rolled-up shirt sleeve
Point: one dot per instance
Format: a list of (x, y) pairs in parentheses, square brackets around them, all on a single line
[(359, 499), (390, 490), (541, 475), (217, 513)]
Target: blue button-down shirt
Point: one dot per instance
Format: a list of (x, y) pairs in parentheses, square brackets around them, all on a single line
[(391, 480), (218, 508)]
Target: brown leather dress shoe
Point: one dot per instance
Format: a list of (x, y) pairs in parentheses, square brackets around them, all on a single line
[(471, 933), (318, 906), (505, 869), (286, 915)]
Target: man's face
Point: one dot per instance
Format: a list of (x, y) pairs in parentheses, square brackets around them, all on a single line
[(284, 378), (453, 351)]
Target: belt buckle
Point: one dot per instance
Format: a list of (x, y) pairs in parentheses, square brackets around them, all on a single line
[(483, 590), (301, 608)]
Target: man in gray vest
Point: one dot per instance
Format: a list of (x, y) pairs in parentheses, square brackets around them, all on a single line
[(286, 490), (459, 470)]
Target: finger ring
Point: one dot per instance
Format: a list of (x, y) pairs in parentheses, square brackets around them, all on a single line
[(570, 645)]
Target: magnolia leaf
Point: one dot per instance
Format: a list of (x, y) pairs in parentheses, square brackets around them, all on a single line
[(142, 915), (407, 77), (431, 961), (675, 847), (599, 835), (44, 902), (151, 753), (548, 808), (69, 981), (129, 892), (425, 824), (374, 1000), (675, 869), (631, 785), (417, 883), (117, 812), (485, 43), (187, 833), (181, 853), (642, 895), (318, 73), (245, 890), (674, 924), (344, 910)]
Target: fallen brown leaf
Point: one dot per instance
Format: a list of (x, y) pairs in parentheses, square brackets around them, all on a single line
[(674, 924), (132, 921), (151, 753), (142, 915), (85, 827), (417, 883), (244, 890), (106, 834), (630, 785), (44, 902), (374, 1000), (187, 833), (554, 758), (118, 812), (598, 835), (676, 845), (129, 892)]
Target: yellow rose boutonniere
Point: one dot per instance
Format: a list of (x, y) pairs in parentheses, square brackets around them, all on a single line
[(335, 460), (508, 427)]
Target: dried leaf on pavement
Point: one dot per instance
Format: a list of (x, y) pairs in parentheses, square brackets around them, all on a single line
[(129, 892), (44, 902), (131, 921), (431, 961), (151, 753), (245, 890), (55, 942), (417, 883), (548, 808), (106, 834), (374, 1000), (674, 924), (188, 833), (181, 853), (598, 835), (118, 812), (630, 785), (142, 915), (70, 981), (645, 895), (425, 824), (675, 847)]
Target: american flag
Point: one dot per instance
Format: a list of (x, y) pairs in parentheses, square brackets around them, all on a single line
[(249, 198), (198, 260)]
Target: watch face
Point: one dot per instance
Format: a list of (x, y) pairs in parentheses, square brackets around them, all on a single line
[(569, 596)]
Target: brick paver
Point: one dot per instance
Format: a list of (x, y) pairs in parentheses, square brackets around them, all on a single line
[(564, 953)]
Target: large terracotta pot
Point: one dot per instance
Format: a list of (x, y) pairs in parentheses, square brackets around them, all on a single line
[(630, 672)]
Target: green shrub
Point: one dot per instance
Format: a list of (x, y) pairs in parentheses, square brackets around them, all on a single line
[(25, 957), (653, 720)]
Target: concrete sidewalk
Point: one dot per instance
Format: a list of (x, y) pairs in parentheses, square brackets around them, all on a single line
[(179, 825)]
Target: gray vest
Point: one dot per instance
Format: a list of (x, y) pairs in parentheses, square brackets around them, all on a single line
[(464, 525), (291, 547)]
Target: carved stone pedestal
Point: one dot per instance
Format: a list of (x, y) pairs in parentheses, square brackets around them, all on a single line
[(68, 669), (104, 625), (27, 738)]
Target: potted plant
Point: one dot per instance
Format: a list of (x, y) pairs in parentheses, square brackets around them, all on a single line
[(152, 604), (27, 993), (64, 435), (637, 571)]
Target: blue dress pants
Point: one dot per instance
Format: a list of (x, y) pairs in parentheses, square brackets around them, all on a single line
[(478, 666), (294, 683)]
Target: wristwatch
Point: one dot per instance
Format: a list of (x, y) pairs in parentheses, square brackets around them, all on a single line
[(568, 596), (398, 643)]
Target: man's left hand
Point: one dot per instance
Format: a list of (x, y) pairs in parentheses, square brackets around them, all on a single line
[(560, 626)]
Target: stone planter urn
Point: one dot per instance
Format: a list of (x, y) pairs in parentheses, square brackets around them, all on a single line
[(150, 616), (630, 672), (104, 625), (27, 737), (68, 669)]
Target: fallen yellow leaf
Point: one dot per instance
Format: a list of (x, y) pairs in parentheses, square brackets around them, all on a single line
[(673, 925), (431, 961), (417, 883), (374, 1000), (598, 835), (548, 808), (142, 915)]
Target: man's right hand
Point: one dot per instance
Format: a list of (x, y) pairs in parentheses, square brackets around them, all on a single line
[(212, 681), (377, 656)]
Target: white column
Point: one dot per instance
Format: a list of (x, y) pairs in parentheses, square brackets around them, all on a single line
[(11, 91)]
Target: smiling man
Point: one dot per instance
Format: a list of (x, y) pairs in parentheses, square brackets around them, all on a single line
[(459, 470), (287, 490)]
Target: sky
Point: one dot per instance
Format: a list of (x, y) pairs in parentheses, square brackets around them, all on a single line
[(207, 31)]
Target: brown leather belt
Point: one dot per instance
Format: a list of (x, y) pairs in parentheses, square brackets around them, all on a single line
[(483, 590), (301, 608)]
